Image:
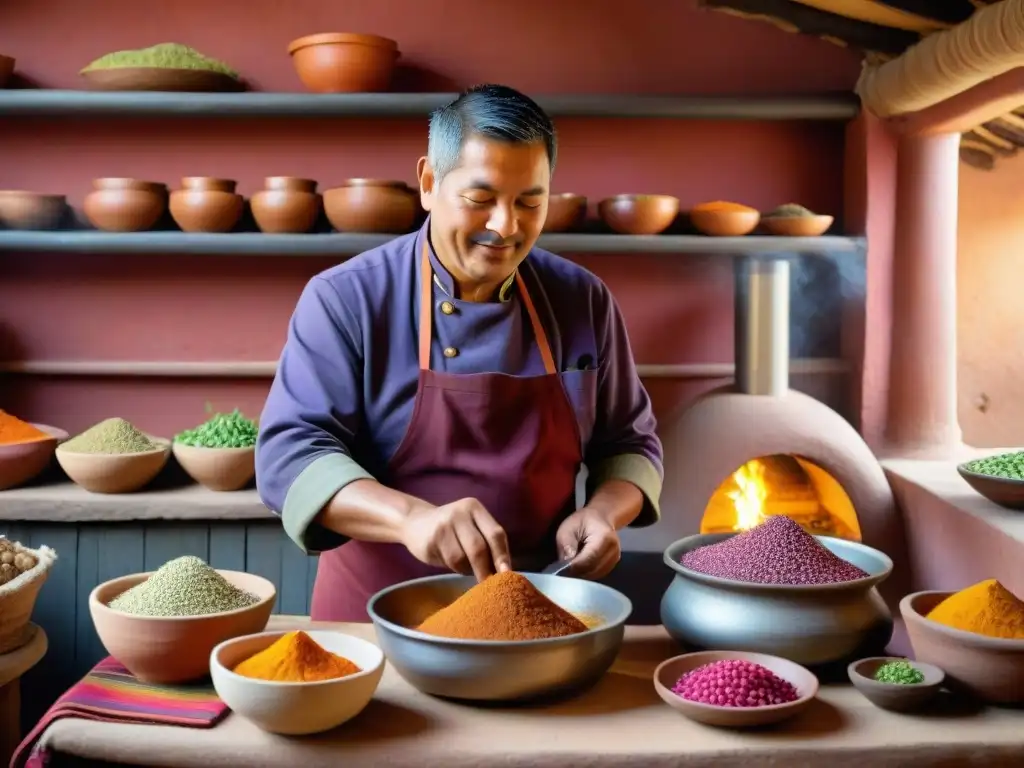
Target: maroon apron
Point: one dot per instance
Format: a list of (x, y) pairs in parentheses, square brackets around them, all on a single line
[(511, 442)]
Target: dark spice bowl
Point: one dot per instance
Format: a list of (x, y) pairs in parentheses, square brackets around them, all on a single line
[(812, 624), (896, 697), (1005, 492), (497, 670)]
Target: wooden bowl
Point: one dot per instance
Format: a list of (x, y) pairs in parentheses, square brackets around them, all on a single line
[(566, 212), (638, 214), (160, 79), (1005, 492), (31, 210), (797, 226), (175, 649), (114, 472), (206, 204), (990, 668), (669, 672), (21, 462), (895, 697), (125, 205), (286, 204), (341, 62), (219, 469), (724, 223), (6, 70), (371, 205)]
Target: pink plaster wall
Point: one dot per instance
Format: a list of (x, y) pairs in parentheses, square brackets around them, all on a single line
[(678, 309), (990, 262)]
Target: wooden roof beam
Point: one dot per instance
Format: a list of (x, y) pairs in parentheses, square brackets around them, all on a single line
[(959, 114)]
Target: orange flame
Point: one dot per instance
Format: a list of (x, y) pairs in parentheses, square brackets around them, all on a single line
[(750, 495)]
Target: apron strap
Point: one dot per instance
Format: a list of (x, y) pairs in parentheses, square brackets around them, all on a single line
[(426, 318)]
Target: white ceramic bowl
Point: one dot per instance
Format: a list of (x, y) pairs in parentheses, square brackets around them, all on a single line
[(297, 709)]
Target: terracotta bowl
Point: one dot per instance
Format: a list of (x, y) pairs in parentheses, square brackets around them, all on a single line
[(894, 696), (31, 210), (990, 668), (114, 472), (297, 709), (206, 204), (669, 672), (219, 469), (175, 650), (338, 62), (371, 205), (797, 226), (286, 204), (724, 223), (1004, 492), (565, 212), (125, 205), (6, 70), (638, 214), (22, 462)]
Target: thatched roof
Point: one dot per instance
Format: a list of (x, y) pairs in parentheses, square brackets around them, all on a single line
[(883, 30)]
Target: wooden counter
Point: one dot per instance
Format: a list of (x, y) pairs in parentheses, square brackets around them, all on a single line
[(620, 722)]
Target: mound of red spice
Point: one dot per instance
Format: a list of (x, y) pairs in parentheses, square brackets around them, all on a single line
[(505, 606), (778, 551), (734, 683)]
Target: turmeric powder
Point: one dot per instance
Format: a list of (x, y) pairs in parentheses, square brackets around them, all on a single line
[(296, 658), (724, 207), (13, 430), (987, 608)]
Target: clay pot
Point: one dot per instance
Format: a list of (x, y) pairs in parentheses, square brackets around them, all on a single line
[(125, 205), (639, 214), (206, 204), (286, 204), (6, 70), (372, 205), (31, 210), (565, 212), (336, 62)]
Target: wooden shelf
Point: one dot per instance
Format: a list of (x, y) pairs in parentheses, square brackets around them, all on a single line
[(256, 244), (41, 102), (65, 502)]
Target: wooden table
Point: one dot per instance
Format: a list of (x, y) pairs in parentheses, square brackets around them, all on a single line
[(12, 666), (620, 722)]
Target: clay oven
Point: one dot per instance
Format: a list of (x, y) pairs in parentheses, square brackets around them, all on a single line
[(758, 448)]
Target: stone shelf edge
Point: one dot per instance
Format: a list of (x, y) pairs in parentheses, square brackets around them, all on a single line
[(41, 102), (257, 244), (65, 502)]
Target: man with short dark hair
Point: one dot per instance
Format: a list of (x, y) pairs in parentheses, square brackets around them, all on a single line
[(437, 396)]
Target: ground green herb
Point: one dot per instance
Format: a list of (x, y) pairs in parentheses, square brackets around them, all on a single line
[(110, 436), (162, 56), (790, 210), (899, 673), (185, 586), (1009, 466), (223, 430)]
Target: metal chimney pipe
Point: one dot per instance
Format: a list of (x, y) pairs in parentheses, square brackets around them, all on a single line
[(762, 325)]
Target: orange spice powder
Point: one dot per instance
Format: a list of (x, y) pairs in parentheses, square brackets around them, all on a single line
[(723, 206), (13, 430)]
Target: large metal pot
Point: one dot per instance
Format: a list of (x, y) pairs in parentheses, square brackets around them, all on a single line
[(491, 670), (808, 624)]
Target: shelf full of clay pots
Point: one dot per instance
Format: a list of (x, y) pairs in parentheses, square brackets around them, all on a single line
[(289, 217)]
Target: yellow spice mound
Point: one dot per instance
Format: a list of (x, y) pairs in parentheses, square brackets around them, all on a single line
[(505, 606), (987, 608)]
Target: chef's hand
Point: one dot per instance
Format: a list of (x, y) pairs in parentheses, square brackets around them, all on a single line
[(591, 542), (461, 536)]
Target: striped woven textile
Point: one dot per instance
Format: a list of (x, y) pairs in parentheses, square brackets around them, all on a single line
[(110, 693)]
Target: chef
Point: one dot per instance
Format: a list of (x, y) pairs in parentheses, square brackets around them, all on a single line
[(437, 395)]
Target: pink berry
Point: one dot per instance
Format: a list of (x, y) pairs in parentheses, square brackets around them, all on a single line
[(734, 683)]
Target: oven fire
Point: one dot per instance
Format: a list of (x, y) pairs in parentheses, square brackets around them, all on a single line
[(781, 485)]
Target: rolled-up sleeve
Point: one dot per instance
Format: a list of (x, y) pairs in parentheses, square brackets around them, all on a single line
[(303, 453), (624, 444)]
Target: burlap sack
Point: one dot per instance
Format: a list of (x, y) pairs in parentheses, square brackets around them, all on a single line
[(18, 598)]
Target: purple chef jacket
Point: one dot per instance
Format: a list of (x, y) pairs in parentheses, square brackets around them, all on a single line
[(343, 394)]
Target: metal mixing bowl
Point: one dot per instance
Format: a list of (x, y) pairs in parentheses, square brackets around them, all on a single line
[(492, 670), (808, 624)]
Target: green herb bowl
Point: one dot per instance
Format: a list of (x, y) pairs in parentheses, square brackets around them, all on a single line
[(896, 697), (1002, 491), (114, 472), (218, 469)]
